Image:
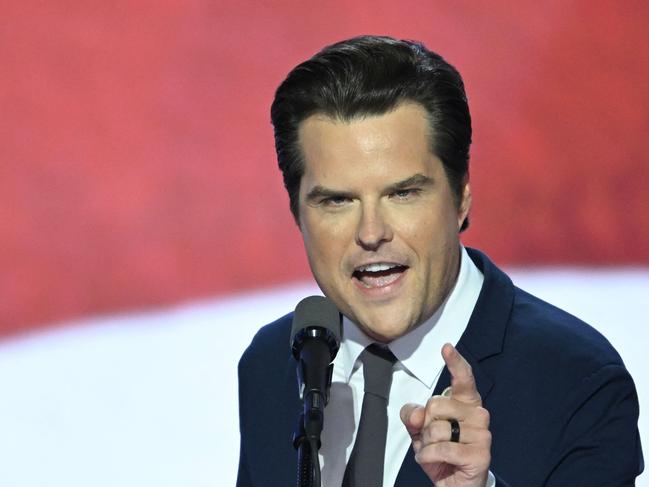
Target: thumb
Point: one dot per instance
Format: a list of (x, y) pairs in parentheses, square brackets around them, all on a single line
[(413, 416)]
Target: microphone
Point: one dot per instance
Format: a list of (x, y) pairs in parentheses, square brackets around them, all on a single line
[(315, 339)]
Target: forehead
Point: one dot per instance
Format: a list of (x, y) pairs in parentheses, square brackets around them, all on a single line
[(404, 118), (397, 142)]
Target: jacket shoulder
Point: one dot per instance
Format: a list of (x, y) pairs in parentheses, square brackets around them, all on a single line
[(520, 330), (557, 338), (270, 343)]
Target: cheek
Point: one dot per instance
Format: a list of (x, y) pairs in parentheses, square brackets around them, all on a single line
[(420, 230), (323, 244), (430, 235)]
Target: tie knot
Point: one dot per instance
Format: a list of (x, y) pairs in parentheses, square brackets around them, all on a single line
[(377, 369)]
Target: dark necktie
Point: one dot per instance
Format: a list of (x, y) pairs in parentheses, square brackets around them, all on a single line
[(365, 466)]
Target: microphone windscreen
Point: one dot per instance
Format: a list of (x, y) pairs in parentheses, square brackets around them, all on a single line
[(316, 311)]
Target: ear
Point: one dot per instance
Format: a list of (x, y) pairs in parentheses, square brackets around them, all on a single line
[(465, 202)]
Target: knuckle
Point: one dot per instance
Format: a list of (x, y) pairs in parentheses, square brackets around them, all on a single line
[(485, 461), (483, 415), (484, 437), (434, 403), (488, 438)]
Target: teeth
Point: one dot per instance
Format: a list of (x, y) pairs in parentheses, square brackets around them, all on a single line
[(377, 267)]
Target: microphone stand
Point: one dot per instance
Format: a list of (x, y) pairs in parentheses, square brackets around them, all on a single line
[(308, 462), (306, 438)]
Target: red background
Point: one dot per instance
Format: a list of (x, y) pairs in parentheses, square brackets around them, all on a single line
[(136, 153)]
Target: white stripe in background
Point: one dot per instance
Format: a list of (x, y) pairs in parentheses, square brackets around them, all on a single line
[(151, 399)]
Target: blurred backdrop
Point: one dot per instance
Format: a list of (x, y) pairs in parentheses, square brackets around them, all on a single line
[(145, 233)]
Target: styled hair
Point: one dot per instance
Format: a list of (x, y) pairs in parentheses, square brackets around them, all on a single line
[(372, 75)]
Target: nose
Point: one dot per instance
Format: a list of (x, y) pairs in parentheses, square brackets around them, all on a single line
[(373, 227)]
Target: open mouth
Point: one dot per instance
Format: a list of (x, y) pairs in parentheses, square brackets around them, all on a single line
[(379, 274)]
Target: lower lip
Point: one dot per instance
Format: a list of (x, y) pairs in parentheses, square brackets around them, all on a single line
[(381, 291)]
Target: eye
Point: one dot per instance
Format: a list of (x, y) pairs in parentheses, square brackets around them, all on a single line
[(405, 194), (334, 201)]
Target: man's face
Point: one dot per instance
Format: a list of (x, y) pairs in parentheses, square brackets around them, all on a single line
[(379, 219)]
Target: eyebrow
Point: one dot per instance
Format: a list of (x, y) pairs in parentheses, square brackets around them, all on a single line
[(318, 191), (416, 180)]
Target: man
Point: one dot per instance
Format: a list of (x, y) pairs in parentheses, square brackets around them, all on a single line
[(372, 136)]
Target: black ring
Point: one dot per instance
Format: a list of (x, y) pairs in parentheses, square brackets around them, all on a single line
[(455, 430)]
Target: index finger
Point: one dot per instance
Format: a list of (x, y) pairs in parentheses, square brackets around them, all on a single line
[(462, 381)]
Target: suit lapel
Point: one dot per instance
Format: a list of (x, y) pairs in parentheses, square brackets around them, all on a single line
[(483, 338)]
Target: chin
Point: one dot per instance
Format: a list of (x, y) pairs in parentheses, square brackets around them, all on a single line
[(386, 333)]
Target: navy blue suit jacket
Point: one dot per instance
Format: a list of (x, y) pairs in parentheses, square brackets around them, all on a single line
[(563, 407)]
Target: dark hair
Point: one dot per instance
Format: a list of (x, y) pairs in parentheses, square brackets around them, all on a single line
[(372, 75)]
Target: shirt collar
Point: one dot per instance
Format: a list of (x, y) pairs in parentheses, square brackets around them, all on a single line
[(414, 349)]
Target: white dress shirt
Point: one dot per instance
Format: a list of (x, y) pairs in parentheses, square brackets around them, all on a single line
[(415, 376)]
